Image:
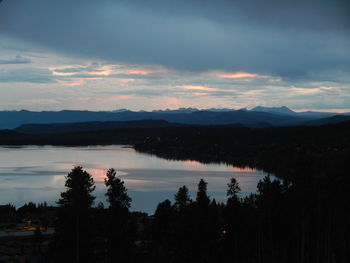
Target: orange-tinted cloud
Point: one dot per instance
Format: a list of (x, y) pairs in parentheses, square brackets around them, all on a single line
[(72, 83), (63, 74), (237, 75), (243, 169), (126, 80), (103, 72), (145, 71), (200, 93), (175, 102), (191, 87), (116, 97)]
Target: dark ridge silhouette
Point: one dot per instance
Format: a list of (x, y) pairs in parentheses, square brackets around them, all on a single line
[(89, 126), (254, 118), (329, 120), (13, 119), (279, 150)]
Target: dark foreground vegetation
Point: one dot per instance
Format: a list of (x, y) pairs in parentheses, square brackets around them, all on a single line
[(302, 217), (282, 222)]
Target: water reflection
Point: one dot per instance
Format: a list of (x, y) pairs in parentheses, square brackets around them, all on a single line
[(35, 173)]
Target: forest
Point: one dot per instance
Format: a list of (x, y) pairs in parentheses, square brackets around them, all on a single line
[(301, 215)]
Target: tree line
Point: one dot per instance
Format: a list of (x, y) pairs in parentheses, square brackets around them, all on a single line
[(282, 222)]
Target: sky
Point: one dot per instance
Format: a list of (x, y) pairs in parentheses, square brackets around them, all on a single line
[(158, 54)]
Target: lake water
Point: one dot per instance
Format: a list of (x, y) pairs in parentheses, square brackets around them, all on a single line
[(37, 173)]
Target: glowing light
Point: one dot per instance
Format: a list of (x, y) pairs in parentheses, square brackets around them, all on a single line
[(223, 232)]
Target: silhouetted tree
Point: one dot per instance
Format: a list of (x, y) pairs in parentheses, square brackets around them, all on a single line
[(80, 185), (182, 198), (202, 198), (100, 206), (117, 196), (233, 188), (232, 224), (119, 234), (73, 226)]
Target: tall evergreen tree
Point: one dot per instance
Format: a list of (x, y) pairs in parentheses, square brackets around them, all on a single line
[(232, 193), (119, 233), (80, 185), (202, 197), (117, 196), (182, 198), (233, 188), (73, 226)]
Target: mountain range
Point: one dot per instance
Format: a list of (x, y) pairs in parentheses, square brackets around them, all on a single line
[(256, 117)]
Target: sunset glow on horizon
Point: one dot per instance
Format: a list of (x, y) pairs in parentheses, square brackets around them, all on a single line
[(236, 62)]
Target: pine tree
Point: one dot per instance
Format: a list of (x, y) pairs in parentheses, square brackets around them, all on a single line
[(73, 226), (182, 198), (232, 192), (117, 196), (202, 197), (233, 188), (119, 232)]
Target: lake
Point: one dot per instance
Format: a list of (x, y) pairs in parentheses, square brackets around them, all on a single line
[(37, 173)]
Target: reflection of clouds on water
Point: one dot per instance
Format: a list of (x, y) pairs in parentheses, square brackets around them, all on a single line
[(153, 180), (37, 173), (243, 169)]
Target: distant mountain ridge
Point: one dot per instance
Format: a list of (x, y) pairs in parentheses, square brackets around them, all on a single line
[(257, 117), (280, 110)]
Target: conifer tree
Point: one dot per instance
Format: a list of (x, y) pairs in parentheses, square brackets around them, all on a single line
[(202, 197), (117, 196), (119, 233), (182, 198), (80, 185), (232, 192), (73, 226)]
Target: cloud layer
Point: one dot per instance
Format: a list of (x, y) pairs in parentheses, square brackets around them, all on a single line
[(292, 39), (108, 54)]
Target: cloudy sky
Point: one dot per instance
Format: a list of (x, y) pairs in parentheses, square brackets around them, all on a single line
[(157, 54)]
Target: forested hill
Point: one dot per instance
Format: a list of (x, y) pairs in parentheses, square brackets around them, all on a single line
[(278, 149), (89, 126)]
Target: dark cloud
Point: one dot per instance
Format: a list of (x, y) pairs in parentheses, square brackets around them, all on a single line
[(16, 60), (32, 75), (292, 39)]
